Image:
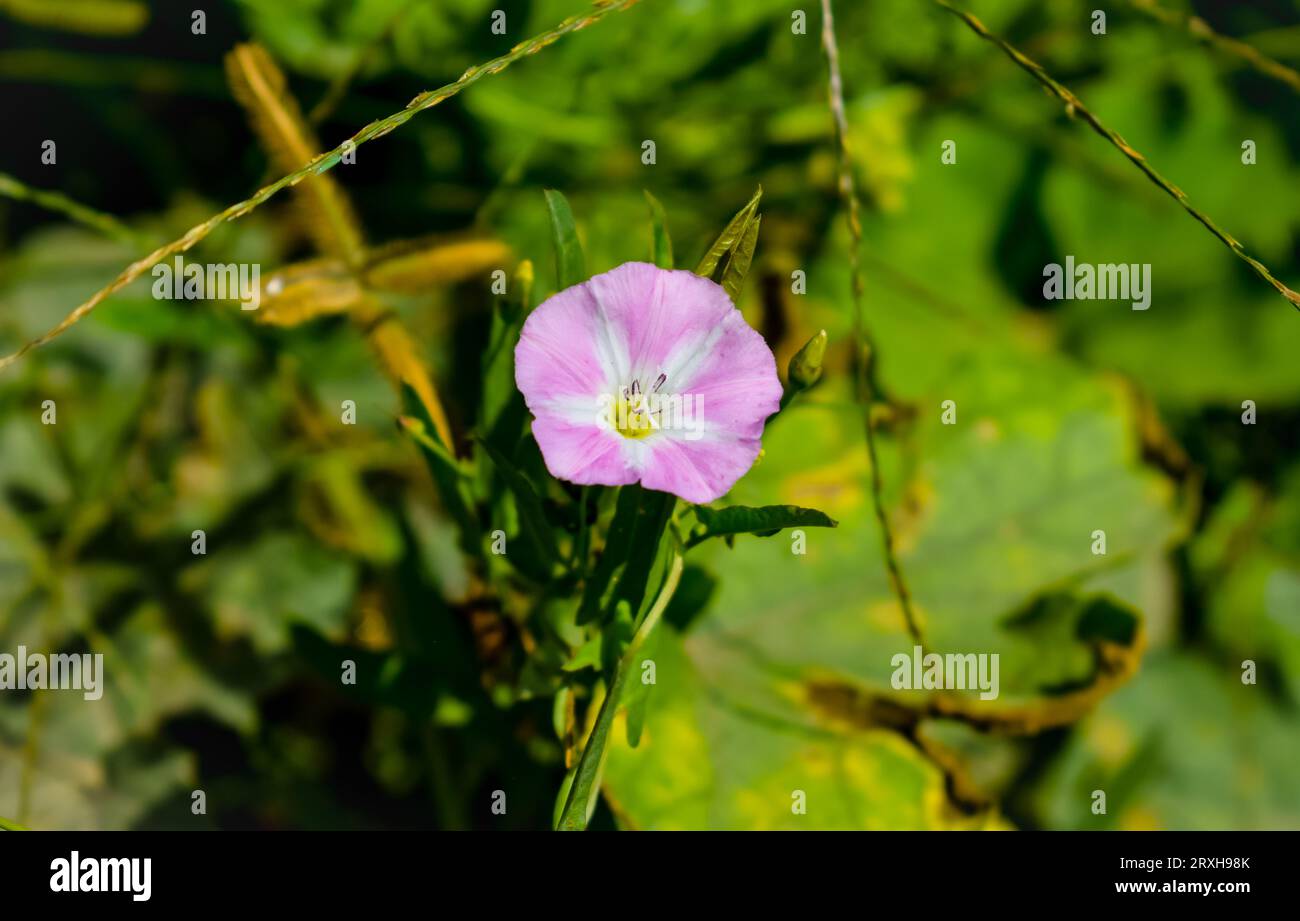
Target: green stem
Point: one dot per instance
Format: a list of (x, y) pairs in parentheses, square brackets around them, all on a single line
[(1200, 30), (89, 217), (1075, 108), (321, 163), (866, 388), (586, 779)]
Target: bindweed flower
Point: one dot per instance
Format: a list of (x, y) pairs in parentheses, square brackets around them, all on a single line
[(646, 375)]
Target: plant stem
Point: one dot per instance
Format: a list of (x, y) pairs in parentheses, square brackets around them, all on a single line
[(89, 217), (864, 360), (586, 779), (1200, 30), (1077, 109), (321, 163)]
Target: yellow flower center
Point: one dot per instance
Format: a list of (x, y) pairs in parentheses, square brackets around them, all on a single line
[(631, 418), (632, 414)]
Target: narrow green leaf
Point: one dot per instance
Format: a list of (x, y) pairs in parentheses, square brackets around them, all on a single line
[(501, 409), (652, 514), (586, 778), (661, 245), (736, 266), (617, 543), (6, 825), (731, 234), (570, 267), (763, 521), (637, 696), (535, 530), (449, 477)]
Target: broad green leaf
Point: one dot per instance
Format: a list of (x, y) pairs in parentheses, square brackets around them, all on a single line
[(706, 760), (1185, 745), (260, 588), (764, 521), (90, 770), (661, 246), (570, 267), (1247, 569), (791, 662)]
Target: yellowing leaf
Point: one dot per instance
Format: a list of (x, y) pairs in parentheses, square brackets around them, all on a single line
[(415, 265), (259, 86), (89, 17), (401, 359), (302, 292)]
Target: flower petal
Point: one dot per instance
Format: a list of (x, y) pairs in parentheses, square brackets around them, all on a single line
[(586, 453), (566, 350), (633, 324), (698, 471)]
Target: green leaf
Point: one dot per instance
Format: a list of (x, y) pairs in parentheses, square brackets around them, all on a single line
[(448, 475), (259, 588), (502, 410), (636, 698), (763, 521), (661, 246), (1104, 619), (411, 684), (640, 516), (736, 265), (536, 532), (570, 267), (734, 245), (654, 509), (586, 779), (1247, 567), (706, 759), (1184, 746), (793, 656)]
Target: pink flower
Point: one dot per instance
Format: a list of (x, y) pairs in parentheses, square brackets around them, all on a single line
[(644, 374)]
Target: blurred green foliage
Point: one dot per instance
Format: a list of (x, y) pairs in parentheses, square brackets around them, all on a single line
[(324, 542)]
